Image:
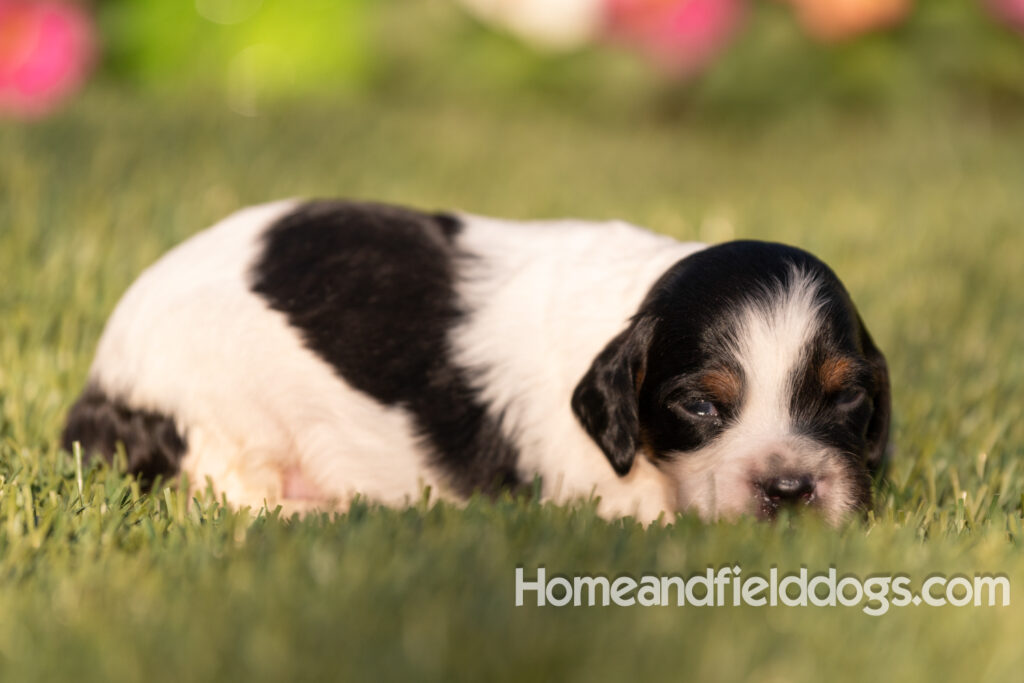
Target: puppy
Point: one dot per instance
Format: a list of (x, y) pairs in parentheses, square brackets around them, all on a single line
[(298, 354)]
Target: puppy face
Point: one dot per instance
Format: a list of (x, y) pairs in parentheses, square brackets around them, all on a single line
[(748, 377)]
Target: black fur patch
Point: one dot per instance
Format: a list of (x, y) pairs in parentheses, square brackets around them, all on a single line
[(372, 289), (859, 428), (605, 400), (151, 441)]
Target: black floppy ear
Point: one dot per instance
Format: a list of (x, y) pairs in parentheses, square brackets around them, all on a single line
[(605, 400), (877, 435)]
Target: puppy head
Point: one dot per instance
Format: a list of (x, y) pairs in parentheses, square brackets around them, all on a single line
[(748, 377)]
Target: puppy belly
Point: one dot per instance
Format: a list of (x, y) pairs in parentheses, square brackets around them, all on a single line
[(296, 486)]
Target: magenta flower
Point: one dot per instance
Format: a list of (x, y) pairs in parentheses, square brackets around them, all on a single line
[(46, 51), (1010, 11), (681, 36)]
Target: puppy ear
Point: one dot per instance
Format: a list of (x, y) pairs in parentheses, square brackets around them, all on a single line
[(881, 397), (605, 401)]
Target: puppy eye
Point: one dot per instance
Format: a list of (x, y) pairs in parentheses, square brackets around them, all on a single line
[(849, 399), (701, 409)]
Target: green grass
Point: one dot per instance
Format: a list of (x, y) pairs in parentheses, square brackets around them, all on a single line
[(919, 212)]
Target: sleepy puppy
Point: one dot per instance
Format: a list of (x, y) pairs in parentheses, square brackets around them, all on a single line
[(302, 353)]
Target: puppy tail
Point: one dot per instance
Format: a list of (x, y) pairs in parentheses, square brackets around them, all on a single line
[(151, 441)]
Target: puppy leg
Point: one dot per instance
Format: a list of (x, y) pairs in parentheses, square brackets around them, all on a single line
[(245, 475), (644, 493)]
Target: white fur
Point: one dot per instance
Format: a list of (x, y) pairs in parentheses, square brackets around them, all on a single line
[(544, 300), (771, 338), (260, 412)]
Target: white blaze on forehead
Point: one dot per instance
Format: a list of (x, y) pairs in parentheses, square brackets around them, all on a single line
[(771, 340)]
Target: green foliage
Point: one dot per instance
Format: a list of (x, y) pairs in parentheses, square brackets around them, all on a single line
[(919, 213), (250, 49), (276, 49)]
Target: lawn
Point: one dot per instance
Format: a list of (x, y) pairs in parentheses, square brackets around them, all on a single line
[(919, 211)]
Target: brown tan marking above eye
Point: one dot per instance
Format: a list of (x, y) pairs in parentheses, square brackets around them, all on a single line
[(723, 385), (837, 372)]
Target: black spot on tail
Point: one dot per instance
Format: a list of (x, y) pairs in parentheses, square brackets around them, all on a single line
[(151, 441)]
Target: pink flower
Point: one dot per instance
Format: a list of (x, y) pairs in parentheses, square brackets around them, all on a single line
[(1010, 11), (46, 51), (681, 36)]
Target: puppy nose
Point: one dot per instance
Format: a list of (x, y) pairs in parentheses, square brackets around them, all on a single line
[(790, 488)]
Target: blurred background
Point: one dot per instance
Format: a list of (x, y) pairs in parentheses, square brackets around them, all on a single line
[(885, 136), (672, 57)]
